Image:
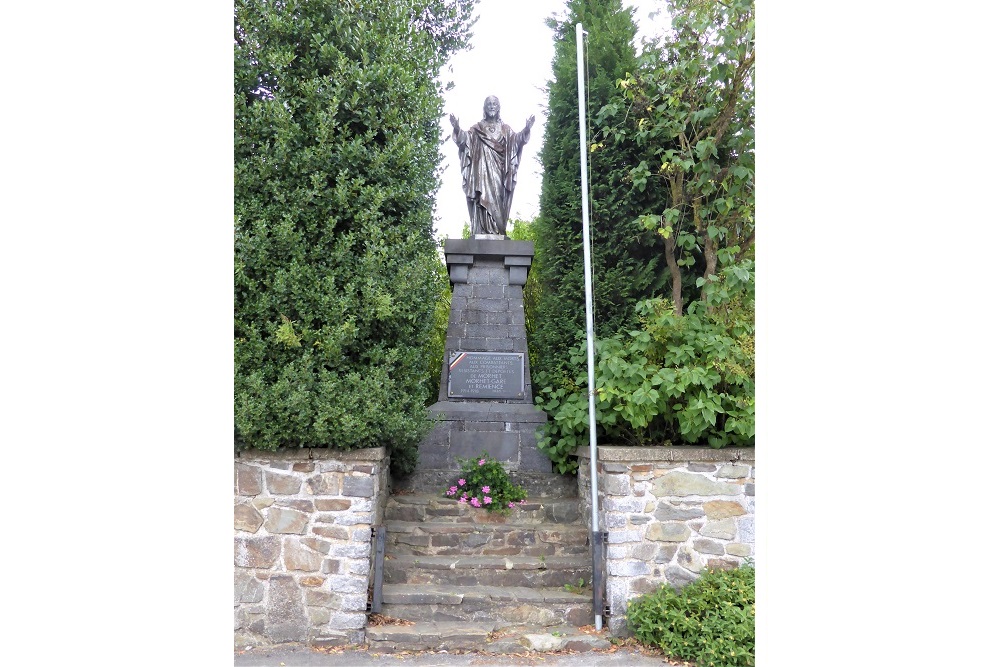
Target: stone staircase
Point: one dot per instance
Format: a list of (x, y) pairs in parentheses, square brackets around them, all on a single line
[(462, 578)]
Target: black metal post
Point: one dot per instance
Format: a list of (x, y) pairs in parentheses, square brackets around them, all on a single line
[(379, 557), (597, 550)]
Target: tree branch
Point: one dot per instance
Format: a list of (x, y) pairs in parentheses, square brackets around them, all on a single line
[(745, 246)]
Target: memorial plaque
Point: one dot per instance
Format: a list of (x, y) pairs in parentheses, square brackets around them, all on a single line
[(486, 375)]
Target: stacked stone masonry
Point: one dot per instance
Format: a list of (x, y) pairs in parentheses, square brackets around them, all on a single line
[(670, 513), (487, 302), (303, 544), (487, 316)]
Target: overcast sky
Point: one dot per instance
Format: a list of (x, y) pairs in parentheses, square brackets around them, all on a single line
[(511, 57)]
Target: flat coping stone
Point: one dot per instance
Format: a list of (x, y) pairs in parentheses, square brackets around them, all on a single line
[(668, 453), (488, 247), (313, 454)]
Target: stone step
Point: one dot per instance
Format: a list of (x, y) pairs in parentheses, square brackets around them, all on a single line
[(503, 606), (533, 572), (521, 639), (427, 636), (484, 637), (433, 538), (434, 482), (424, 507)]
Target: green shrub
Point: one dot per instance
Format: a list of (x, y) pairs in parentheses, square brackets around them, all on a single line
[(336, 275), (709, 622), (675, 147), (485, 483), (679, 380)]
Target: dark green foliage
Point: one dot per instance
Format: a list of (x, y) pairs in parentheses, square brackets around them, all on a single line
[(439, 332), (682, 379), (336, 273), (524, 230), (709, 622), (677, 136), (687, 116), (624, 260)]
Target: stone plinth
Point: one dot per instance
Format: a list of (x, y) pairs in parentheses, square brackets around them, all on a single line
[(487, 315)]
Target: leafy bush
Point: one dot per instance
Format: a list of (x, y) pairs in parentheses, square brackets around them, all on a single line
[(676, 145), (686, 114), (709, 622), (336, 117), (680, 379), (485, 483)]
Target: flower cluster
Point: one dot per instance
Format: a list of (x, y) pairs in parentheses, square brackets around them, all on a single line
[(485, 483)]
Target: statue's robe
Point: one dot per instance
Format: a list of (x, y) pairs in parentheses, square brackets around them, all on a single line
[(489, 173)]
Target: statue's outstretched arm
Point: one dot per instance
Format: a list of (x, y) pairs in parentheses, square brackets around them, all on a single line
[(457, 133), (525, 134)]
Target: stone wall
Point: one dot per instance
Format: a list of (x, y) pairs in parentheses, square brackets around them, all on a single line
[(670, 512), (303, 543)]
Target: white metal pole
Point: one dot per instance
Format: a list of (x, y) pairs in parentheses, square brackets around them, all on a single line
[(595, 529)]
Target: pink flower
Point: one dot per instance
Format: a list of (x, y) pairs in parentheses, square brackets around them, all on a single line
[(451, 491), (486, 489), (462, 500), (482, 461), (523, 502), (475, 502), (461, 482), (510, 505), (487, 500)]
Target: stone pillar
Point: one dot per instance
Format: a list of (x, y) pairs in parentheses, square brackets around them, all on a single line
[(670, 513), (303, 551), (487, 316)]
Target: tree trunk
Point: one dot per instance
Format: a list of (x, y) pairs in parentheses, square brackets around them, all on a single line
[(711, 264), (669, 246)]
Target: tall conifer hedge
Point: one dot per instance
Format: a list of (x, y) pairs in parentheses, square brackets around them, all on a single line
[(626, 264)]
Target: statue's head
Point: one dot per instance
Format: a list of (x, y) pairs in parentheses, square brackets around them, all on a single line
[(491, 107)]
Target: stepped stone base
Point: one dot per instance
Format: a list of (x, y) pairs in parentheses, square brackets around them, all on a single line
[(490, 408), (506, 431)]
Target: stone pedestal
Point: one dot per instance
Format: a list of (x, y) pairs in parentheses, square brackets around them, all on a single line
[(487, 315)]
